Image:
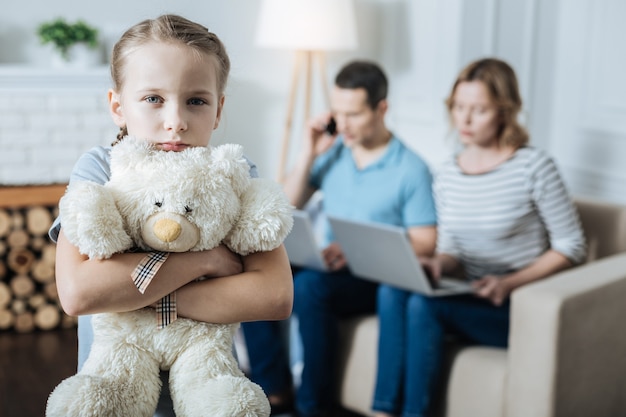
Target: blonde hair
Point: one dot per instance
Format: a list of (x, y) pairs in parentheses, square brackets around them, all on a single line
[(168, 28), (501, 83)]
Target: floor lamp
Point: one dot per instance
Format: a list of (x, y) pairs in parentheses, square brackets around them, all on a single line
[(310, 28)]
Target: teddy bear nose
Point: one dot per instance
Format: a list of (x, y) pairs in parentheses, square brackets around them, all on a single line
[(167, 230)]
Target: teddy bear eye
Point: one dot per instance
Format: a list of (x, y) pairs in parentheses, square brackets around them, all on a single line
[(158, 203), (188, 209)]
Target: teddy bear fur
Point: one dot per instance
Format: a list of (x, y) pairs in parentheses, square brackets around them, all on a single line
[(173, 202)]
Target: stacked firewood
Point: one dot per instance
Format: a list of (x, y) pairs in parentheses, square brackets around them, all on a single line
[(28, 294)]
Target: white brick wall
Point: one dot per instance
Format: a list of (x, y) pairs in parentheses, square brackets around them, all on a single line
[(48, 118)]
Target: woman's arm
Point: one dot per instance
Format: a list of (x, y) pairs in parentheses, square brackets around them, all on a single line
[(92, 286), (497, 289), (264, 291)]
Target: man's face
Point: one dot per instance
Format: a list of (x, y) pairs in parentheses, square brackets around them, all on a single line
[(357, 122)]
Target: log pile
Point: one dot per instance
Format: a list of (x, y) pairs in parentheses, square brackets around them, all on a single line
[(28, 294)]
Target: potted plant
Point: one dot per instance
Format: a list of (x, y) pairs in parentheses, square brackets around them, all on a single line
[(66, 37)]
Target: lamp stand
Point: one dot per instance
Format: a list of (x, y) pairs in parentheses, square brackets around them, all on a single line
[(303, 59)]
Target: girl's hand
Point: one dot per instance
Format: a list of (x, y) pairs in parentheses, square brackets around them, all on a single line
[(222, 262), (333, 256), (493, 288)]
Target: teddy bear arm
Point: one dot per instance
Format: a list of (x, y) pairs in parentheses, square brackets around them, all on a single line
[(265, 219), (92, 222)]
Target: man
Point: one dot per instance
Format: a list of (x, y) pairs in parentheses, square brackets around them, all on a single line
[(364, 173)]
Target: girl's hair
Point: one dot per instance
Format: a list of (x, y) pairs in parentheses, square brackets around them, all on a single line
[(501, 83), (168, 28)]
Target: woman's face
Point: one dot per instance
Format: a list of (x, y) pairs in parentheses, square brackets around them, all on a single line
[(474, 114), (169, 97)]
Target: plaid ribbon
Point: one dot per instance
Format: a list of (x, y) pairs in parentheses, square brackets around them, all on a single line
[(143, 274)]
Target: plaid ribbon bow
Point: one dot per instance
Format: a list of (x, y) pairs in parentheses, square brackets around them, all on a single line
[(143, 274)]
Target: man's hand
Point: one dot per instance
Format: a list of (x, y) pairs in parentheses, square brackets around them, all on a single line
[(333, 256)]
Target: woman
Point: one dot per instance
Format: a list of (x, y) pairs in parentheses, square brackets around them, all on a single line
[(505, 219)]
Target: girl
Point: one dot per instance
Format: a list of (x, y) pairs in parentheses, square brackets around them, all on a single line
[(169, 76), (505, 219)]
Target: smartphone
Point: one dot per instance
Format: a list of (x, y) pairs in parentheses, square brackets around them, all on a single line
[(331, 127)]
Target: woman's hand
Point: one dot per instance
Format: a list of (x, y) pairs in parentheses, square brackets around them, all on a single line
[(334, 258), (493, 288)]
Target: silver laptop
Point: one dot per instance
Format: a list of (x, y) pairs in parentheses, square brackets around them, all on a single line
[(383, 253), (302, 246)]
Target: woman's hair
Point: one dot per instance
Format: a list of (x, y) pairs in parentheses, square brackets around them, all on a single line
[(366, 75), (168, 29), (501, 83)]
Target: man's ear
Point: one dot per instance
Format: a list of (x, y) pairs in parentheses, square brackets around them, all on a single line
[(115, 108), (382, 107), (219, 112)]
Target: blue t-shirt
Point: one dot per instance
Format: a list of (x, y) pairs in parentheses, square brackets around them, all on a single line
[(396, 189)]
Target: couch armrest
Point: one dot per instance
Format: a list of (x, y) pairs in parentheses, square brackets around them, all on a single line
[(567, 344)]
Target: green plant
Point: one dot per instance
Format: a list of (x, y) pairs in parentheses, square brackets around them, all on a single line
[(63, 35)]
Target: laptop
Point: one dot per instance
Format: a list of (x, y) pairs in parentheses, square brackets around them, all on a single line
[(383, 253), (302, 245)]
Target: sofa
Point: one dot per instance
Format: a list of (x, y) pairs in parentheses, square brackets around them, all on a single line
[(567, 343)]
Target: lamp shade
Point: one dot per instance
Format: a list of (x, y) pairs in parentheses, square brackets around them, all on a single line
[(307, 24)]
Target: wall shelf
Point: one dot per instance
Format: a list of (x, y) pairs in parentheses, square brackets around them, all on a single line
[(44, 79)]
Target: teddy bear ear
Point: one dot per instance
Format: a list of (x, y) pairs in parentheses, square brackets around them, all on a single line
[(126, 153), (230, 161)]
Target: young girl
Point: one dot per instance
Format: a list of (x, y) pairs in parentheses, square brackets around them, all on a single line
[(169, 76), (505, 219)]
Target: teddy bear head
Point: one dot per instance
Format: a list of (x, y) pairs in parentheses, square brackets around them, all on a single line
[(178, 201)]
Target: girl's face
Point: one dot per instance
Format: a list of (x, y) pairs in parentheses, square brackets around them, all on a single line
[(169, 96), (474, 114)]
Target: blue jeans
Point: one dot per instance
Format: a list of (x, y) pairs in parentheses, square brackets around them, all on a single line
[(320, 301), (268, 355), (412, 331)]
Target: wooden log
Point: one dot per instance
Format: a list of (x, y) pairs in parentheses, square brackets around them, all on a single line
[(6, 319), (18, 238), (20, 260), (19, 306), (17, 220), (37, 300), (5, 295), (50, 290), (24, 322), (38, 220), (42, 271), (49, 253), (37, 243), (5, 223), (47, 317), (22, 286)]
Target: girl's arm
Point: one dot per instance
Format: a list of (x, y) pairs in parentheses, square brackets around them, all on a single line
[(264, 291), (92, 286)]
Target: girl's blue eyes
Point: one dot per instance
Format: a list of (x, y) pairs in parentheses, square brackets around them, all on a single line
[(191, 101)]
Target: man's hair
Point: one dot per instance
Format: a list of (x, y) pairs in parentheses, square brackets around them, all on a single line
[(366, 75)]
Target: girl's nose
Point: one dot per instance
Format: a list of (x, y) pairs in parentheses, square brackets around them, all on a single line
[(175, 120)]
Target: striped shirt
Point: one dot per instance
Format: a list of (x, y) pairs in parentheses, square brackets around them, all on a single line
[(502, 220)]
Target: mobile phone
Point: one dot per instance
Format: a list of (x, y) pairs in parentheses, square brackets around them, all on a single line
[(331, 127)]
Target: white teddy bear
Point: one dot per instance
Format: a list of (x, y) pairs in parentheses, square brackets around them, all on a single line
[(170, 202)]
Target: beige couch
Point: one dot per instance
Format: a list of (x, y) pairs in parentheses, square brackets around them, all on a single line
[(567, 346)]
